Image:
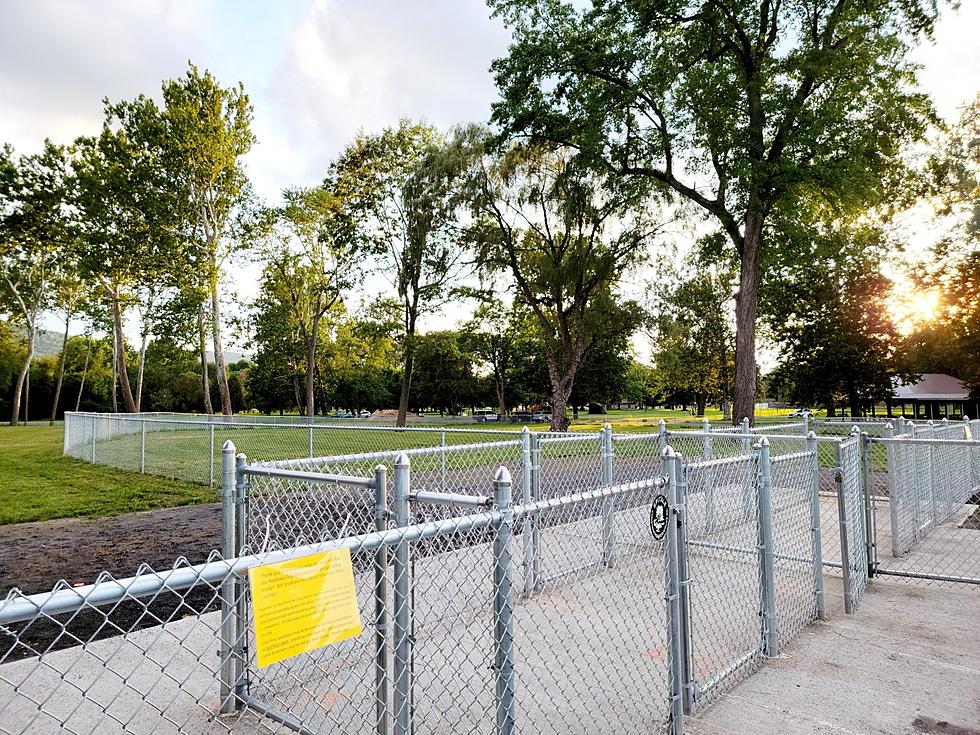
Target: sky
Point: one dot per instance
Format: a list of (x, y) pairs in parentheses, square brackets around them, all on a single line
[(317, 71)]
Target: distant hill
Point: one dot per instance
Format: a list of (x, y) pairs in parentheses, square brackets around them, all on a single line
[(49, 344)]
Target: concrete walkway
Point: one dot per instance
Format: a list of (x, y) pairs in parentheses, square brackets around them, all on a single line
[(908, 662)]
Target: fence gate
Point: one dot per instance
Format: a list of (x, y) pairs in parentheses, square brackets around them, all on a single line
[(927, 508)]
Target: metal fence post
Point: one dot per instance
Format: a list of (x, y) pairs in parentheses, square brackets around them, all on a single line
[(527, 536), (241, 599), (709, 478), (142, 446), (744, 430), (609, 504), (845, 556), (893, 499), (536, 495), (503, 604), (678, 642), (211, 454), (806, 426), (402, 603), (932, 476), (310, 439), (226, 653), (815, 527), (662, 434), (770, 624), (93, 438), (442, 458), (381, 601), (870, 546)]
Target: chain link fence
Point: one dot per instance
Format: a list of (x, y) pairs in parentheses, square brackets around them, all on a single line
[(502, 581)]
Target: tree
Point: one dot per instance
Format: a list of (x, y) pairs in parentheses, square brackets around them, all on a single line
[(491, 335), (829, 314), (33, 226), (408, 179), (444, 373), (694, 339), (208, 131), (602, 376), (954, 170), (565, 242), (739, 108), (69, 292), (315, 258)]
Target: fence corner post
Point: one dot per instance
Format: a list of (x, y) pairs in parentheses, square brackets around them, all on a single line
[(681, 689), (662, 434), (770, 625), (845, 556), (870, 549), (528, 533), (402, 603), (503, 603), (229, 606), (744, 430), (815, 526), (381, 602), (893, 499), (609, 504)]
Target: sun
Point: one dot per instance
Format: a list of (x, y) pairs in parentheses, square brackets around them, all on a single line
[(910, 309)]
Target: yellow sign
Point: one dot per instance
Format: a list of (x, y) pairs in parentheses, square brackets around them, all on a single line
[(303, 604)]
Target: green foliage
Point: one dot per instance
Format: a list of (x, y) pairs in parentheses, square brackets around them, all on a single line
[(741, 108), (695, 344)]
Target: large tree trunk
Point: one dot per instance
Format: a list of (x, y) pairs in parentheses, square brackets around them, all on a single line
[(746, 310), (202, 347), (219, 351), (61, 371), (559, 405), (139, 374), (81, 385), (115, 370), (700, 399), (406, 383), (310, 367), (22, 375), (127, 391), (501, 394)]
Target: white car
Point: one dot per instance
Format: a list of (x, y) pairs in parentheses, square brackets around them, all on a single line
[(484, 415), (801, 413), (364, 414)]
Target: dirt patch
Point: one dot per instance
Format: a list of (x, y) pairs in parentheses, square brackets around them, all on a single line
[(941, 727), (34, 556)]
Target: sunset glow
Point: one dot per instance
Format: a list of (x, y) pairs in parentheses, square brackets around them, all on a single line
[(912, 308)]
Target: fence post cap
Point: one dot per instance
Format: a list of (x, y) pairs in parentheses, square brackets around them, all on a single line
[(668, 451), (228, 446), (525, 430), (811, 434), (855, 429), (402, 460), (888, 425), (662, 424), (607, 426), (502, 474), (965, 417), (763, 442)]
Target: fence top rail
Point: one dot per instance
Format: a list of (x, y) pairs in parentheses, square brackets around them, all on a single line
[(300, 462), (753, 436), (700, 464), (551, 437), (236, 421), (777, 458), (108, 591), (919, 441), (288, 474)]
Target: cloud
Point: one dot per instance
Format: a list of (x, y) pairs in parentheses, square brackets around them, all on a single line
[(352, 66), (58, 60)]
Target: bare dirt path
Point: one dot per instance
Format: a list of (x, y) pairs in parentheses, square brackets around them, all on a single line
[(34, 556)]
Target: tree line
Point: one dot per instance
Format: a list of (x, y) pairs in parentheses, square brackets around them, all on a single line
[(781, 133)]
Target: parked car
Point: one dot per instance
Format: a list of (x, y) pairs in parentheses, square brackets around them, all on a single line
[(364, 414), (801, 413), (521, 417), (540, 417), (484, 415), (342, 415)]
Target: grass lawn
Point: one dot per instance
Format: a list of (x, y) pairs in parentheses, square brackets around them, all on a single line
[(37, 483)]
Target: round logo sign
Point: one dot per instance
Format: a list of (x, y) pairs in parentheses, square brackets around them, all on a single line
[(659, 512)]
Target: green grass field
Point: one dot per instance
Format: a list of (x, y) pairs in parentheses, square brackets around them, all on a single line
[(37, 483)]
